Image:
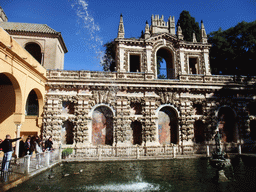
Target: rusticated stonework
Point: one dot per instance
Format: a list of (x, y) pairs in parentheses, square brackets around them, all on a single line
[(123, 108)]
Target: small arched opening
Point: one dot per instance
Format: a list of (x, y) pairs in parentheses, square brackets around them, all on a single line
[(35, 50), (137, 132), (226, 119), (32, 105), (165, 64), (199, 131), (102, 126), (167, 126)]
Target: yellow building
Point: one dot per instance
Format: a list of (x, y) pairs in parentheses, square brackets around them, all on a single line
[(22, 90)]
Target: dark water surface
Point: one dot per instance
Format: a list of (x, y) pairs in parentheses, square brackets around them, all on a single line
[(154, 175)]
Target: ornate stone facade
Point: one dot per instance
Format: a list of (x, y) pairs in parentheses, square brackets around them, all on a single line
[(140, 109)]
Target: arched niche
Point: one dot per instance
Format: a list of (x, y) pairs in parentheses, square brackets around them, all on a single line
[(102, 126), (136, 132), (35, 50), (168, 69), (227, 124), (168, 131)]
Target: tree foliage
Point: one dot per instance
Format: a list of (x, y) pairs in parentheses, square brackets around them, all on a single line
[(108, 60), (188, 26), (233, 51)]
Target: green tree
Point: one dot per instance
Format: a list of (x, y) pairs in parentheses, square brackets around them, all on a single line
[(108, 61), (188, 26), (233, 51)]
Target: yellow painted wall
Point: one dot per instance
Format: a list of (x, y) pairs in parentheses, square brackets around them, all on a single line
[(26, 74)]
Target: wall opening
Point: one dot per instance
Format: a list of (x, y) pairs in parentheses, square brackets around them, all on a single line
[(136, 108), (193, 65), (253, 130), (68, 107), (135, 63), (35, 50), (102, 126), (137, 132), (252, 108), (167, 71), (32, 107), (198, 109), (167, 126), (67, 133), (7, 97), (199, 129), (226, 118)]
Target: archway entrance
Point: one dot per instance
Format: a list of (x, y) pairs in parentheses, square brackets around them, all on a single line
[(167, 126), (102, 126), (165, 64), (137, 132), (35, 50), (226, 118), (7, 98)]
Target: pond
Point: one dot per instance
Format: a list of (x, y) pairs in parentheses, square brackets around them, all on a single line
[(149, 175)]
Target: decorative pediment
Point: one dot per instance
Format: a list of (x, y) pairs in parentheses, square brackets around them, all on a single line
[(163, 36)]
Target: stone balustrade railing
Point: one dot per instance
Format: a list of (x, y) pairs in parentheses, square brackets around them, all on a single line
[(141, 76), (39, 161), (135, 152)]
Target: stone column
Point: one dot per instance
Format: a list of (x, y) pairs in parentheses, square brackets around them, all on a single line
[(17, 142)]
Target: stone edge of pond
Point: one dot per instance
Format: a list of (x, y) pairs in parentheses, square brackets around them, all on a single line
[(24, 178)]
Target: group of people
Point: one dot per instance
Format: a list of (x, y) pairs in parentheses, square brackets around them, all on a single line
[(32, 143)]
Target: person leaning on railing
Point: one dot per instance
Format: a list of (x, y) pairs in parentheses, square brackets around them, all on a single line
[(48, 144), (6, 145)]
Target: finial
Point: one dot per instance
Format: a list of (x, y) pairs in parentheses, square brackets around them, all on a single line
[(146, 21)]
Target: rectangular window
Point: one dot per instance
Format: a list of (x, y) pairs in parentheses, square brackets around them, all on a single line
[(193, 65), (135, 63)]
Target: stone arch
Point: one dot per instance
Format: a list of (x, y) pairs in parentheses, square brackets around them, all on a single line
[(226, 117), (35, 49), (12, 97), (168, 54), (167, 125), (102, 125)]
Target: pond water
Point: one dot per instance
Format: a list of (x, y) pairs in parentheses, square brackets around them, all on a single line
[(150, 175)]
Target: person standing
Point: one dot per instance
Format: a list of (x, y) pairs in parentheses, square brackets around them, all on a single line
[(6, 145), (48, 144)]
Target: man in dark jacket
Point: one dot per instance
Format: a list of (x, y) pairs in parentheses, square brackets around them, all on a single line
[(6, 145)]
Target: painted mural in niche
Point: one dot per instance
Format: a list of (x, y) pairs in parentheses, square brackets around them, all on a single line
[(164, 132), (167, 126), (102, 126)]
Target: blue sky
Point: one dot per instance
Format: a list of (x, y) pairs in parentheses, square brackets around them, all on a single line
[(87, 24)]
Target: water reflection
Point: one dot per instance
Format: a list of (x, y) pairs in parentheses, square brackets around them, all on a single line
[(165, 175)]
